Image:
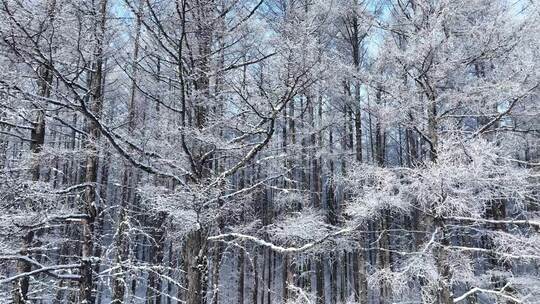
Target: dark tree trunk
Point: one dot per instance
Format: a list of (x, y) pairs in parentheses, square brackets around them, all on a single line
[(241, 276), (87, 285), (319, 273)]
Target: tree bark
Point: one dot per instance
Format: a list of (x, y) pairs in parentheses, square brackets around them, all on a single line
[(241, 276), (196, 266), (37, 135), (319, 278), (87, 286)]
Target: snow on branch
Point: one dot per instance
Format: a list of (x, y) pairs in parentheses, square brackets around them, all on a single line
[(499, 293), (532, 223), (49, 270), (278, 248)]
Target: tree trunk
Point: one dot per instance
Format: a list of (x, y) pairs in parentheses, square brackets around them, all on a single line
[(241, 276), (21, 285), (37, 135), (269, 278), (384, 256), (255, 277), (444, 295), (87, 283), (154, 277), (319, 273), (129, 181), (444, 292), (362, 286), (196, 266)]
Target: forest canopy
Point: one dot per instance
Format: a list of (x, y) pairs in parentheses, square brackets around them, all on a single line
[(269, 151)]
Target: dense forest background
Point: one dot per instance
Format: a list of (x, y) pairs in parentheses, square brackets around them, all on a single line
[(269, 151)]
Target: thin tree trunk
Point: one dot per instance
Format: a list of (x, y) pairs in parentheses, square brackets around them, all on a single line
[(129, 181), (241, 276), (255, 277), (269, 278), (334, 280), (37, 135), (87, 287), (444, 292), (319, 274)]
